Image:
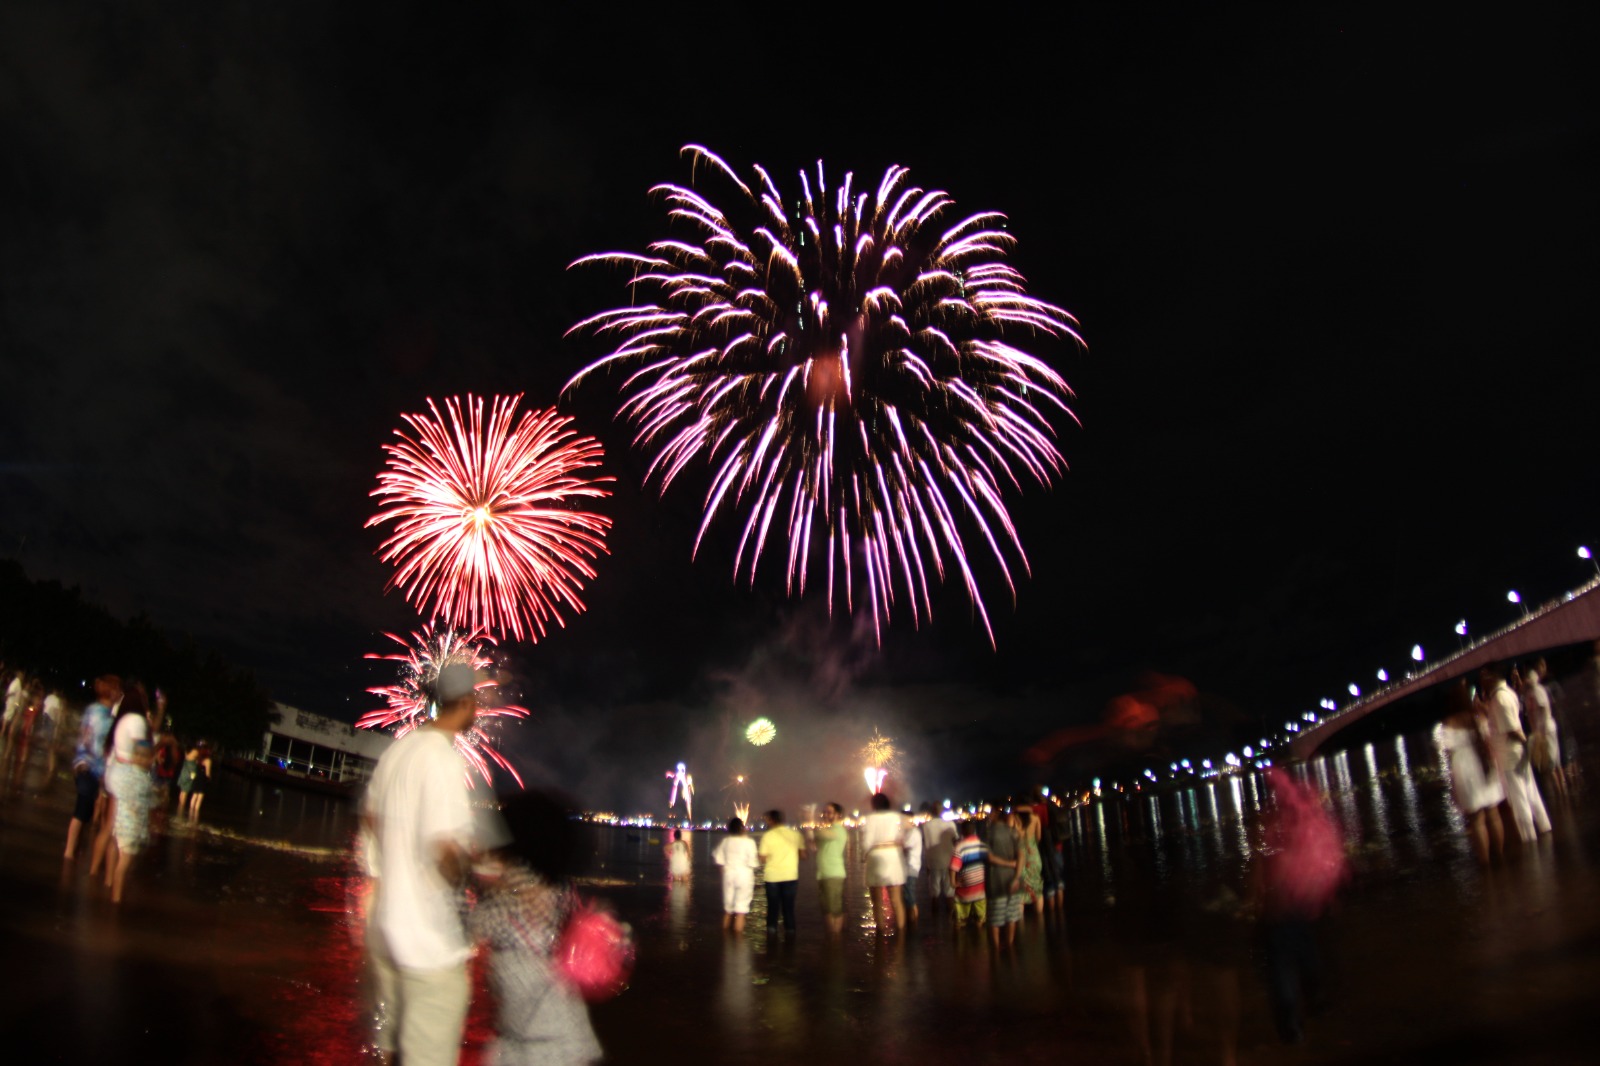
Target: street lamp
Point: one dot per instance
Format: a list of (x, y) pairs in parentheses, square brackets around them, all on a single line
[(1383, 675), (1416, 653), (1354, 691), (1515, 597), (1586, 554)]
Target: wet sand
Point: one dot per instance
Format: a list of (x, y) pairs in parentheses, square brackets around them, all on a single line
[(231, 951)]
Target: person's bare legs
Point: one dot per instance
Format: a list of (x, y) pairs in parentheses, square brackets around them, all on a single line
[(1478, 836), (124, 860), (738, 923), (1497, 832), (195, 799), (102, 839), (74, 831), (897, 901), (877, 910)]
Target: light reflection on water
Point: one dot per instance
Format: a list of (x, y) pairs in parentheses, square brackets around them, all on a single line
[(1142, 873), (1393, 804)]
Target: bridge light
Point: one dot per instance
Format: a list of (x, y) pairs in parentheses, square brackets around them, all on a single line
[(1461, 628), (1354, 691), (1416, 653), (1513, 596), (1383, 675)]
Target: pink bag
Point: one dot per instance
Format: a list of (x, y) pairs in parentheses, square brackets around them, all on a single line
[(595, 953)]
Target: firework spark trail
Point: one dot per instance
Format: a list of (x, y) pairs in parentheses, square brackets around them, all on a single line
[(879, 754), (409, 699), (879, 751), (848, 357), (485, 535)]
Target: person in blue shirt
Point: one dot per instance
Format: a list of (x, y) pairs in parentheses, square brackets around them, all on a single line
[(89, 758)]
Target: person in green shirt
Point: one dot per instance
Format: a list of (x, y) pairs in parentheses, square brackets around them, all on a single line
[(780, 851), (830, 839)]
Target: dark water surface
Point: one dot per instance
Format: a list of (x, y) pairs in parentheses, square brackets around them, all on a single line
[(240, 941)]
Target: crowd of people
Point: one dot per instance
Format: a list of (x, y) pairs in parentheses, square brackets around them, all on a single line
[(1505, 748), (990, 881), (125, 764)]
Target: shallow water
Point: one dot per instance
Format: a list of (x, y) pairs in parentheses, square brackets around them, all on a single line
[(229, 951)]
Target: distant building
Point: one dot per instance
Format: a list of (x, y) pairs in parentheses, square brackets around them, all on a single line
[(300, 744)]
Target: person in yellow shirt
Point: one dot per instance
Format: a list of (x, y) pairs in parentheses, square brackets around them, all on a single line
[(780, 851)]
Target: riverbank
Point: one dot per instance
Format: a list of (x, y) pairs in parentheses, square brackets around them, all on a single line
[(227, 950)]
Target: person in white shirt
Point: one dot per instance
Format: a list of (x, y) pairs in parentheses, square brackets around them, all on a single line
[(1544, 743), (736, 854), (938, 847), (14, 696), (55, 714), (420, 820), (111, 693), (911, 849), (1509, 745)]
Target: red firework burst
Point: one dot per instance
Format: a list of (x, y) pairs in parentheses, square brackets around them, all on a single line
[(485, 534), (410, 699)]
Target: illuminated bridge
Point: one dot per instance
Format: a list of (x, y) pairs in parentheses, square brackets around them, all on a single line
[(1572, 619)]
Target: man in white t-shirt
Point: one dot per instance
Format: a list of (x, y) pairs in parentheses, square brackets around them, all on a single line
[(938, 847), (420, 821)]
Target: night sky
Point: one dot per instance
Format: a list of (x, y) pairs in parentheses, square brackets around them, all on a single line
[(1337, 274)]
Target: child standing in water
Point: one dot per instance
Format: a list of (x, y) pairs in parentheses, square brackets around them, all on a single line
[(524, 900), (736, 854), (678, 857)]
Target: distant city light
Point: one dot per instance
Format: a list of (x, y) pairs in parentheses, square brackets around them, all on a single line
[(1232, 759), (1249, 753)]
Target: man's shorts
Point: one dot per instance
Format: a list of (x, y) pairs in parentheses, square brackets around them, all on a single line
[(975, 908), (88, 787), (830, 890), (1003, 910), (736, 895)]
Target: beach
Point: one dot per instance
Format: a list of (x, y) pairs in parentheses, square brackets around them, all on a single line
[(240, 941)]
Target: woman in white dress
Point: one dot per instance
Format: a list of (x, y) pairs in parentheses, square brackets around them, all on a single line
[(881, 832), (1464, 736)]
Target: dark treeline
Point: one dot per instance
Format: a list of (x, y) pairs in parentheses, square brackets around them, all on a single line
[(50, 630)]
